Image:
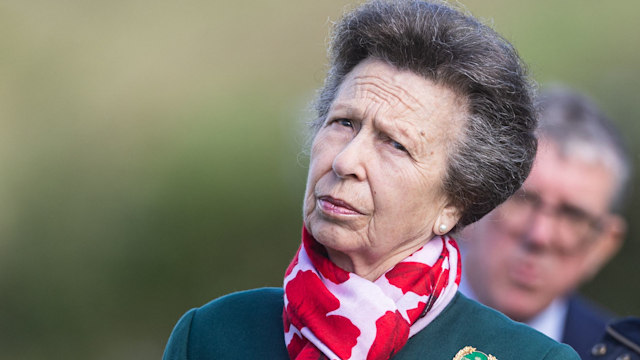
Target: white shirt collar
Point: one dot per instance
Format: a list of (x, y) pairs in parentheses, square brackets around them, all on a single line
[(550, 321)]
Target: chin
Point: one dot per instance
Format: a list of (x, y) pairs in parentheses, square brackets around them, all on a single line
[(328, 234), (519, 308), (334, 236)]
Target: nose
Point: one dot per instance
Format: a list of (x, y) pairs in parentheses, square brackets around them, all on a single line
[(540, 232), (350, 161)]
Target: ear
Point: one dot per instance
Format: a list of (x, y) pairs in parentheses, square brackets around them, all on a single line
[(605, 246), (447, 219)]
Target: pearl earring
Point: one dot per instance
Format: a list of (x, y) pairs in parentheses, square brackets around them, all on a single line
[(443, 228)]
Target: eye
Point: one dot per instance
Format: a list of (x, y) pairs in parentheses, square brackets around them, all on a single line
[(398, 146), (345, 122), (574, 214)]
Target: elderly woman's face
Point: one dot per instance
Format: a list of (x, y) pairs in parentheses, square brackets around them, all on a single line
[(374, 191)]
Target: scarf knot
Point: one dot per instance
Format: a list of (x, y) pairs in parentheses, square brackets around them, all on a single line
[(330, 313)]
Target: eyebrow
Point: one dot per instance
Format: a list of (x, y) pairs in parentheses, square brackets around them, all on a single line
[(351, 110), (563, 205), (391, 128)]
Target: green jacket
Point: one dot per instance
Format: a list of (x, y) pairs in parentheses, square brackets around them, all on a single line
[(248, 325)]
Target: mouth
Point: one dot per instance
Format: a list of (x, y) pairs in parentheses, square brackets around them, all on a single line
[(333, 206), (525, 277)]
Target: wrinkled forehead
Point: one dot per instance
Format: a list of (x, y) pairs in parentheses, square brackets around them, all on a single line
[(404, 82), (585, 151), (400, 93)]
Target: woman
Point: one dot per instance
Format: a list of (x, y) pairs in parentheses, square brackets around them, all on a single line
[(425, 124)]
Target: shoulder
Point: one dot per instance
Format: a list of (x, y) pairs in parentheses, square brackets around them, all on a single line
[(240, 325), (467, 323), (621, 341), (589, 313), (585, 324), (244, 304)]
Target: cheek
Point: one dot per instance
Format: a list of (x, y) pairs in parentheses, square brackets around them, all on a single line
[(309, 198), (319, 165), (321, 158), (308, 202), (572, 273), (493, 247), (492, 229)]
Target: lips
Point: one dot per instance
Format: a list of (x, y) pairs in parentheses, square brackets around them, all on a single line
[(335, 206), (525, 276)]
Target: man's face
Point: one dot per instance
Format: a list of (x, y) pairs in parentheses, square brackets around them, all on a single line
[(538, 244)]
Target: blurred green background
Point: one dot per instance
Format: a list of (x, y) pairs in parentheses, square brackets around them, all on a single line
[(151, 153)]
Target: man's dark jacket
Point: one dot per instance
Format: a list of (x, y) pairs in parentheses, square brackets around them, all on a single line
[(584, 326)]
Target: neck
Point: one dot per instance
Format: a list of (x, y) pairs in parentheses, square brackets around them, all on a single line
[(370, 266)]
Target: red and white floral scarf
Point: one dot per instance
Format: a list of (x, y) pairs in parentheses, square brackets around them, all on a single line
[(330, 313)]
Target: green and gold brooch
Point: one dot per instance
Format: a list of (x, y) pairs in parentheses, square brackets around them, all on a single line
[(470, 353)]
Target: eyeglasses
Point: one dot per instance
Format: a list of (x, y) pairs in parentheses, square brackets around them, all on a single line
[(573, 228)]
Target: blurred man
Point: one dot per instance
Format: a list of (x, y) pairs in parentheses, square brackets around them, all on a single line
[(527, 257)]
